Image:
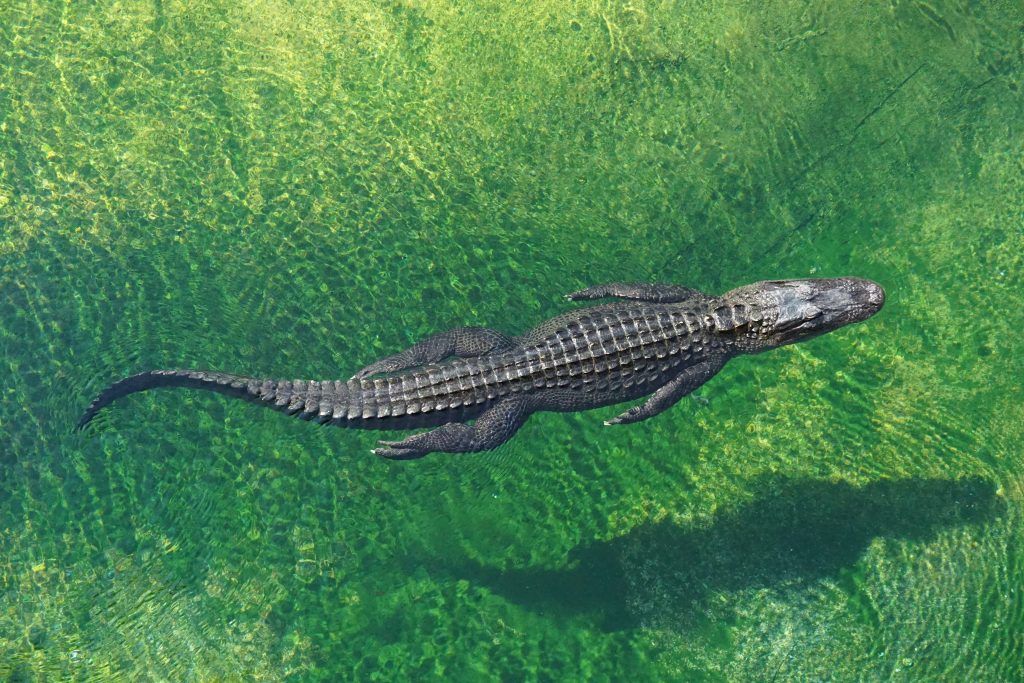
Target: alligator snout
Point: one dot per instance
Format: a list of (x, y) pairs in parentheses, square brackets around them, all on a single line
[(854, 298)]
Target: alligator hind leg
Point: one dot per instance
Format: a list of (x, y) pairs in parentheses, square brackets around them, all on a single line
[(466, 342), (640, 291), (494, 427), (667, 396)]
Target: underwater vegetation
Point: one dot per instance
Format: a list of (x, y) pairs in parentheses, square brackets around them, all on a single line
[(298, 189)]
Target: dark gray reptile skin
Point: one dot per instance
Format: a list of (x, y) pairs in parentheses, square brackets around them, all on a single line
[(658, 340)]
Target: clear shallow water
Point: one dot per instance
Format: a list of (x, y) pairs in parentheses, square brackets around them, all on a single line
[(294, 189)]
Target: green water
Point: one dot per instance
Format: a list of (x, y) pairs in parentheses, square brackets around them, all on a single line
[(293, 189)]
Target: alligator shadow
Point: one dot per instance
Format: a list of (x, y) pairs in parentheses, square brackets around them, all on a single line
[(795, 532)]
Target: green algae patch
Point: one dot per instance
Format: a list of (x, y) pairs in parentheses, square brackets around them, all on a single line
[(296, 189)]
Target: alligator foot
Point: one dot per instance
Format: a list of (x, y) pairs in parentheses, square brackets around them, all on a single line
[(465, 342), (494, 427), (667, 396), (640, 291)]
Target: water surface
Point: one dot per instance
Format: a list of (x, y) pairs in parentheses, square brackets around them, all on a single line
[(293, 189)]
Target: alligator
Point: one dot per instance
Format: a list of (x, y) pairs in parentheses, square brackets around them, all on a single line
[(654, 339)]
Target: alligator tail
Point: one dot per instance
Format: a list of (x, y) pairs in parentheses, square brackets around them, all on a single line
[(308, 400)]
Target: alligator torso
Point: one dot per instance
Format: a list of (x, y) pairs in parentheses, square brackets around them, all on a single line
[(656, 339), (589, 358)]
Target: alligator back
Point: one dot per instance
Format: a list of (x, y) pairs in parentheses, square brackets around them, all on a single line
[(583, 359)]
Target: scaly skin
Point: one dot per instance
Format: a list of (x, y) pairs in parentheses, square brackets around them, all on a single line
[(662, 340)]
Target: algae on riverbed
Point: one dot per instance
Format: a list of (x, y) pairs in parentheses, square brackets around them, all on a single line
[(295, 189)]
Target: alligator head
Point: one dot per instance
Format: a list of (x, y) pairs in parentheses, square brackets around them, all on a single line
[(789, 311)]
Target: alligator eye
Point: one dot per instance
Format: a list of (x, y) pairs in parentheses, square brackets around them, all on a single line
[(812, 312), (795, 319)]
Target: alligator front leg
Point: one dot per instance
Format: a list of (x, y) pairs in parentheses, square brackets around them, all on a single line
[(466, 342), (641, 291), (494, 427), (686, 382)]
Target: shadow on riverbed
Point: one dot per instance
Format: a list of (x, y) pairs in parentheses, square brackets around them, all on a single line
[(795, 532)]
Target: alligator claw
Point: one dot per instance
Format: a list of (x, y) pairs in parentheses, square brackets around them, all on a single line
[(625, 418), (381, 366)]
